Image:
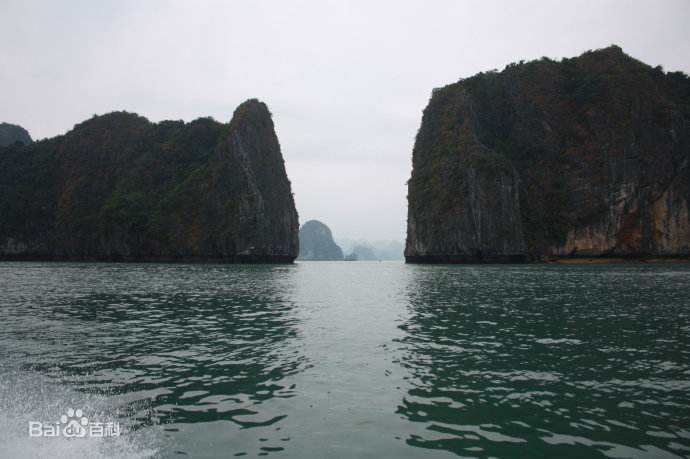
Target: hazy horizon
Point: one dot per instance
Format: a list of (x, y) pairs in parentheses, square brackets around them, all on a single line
[(346, 81)]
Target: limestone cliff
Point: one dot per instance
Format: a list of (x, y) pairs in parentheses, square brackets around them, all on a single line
[(316, 242), (587, 156), (118, 187)]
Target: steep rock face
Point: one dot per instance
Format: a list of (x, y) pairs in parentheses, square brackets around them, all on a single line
[(118, 187), (11, 133), (584, 157), (316, 242)]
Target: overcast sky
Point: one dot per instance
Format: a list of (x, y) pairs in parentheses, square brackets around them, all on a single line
[(346, 81)]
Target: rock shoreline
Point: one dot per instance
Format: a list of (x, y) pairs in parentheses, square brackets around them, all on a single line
[(242, 259), (521, 259)]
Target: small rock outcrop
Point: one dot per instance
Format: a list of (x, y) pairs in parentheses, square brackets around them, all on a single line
[(316, 242), (586, 157), (11, 133), (118, 187)]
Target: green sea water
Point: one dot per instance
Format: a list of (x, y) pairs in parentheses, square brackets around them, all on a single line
[(347, 359)]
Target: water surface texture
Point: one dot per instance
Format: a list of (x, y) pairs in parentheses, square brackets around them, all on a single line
[(348, 359)]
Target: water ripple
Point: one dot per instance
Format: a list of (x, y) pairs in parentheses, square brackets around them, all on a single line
[(349, 359)]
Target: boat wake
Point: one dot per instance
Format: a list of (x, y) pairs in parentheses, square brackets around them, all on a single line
[(34, 421)]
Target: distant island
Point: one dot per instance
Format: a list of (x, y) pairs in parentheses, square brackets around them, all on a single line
[(120, 188), (362, 249), (316, 242), (583, 157), (363, 252)]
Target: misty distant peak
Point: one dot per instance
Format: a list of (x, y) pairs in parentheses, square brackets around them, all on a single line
[(316, 242)]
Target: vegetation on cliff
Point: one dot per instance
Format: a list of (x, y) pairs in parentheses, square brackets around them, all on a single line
[(586, 156), (118, 187)]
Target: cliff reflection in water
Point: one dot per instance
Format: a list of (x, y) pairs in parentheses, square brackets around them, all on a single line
[(547, 361), (342, 359)]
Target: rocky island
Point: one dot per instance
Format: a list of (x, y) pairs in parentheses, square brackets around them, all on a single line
[(583, 157), (316, 242), (118, 187)]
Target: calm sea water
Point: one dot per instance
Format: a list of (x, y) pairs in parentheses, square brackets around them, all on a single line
[(348, 359)]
